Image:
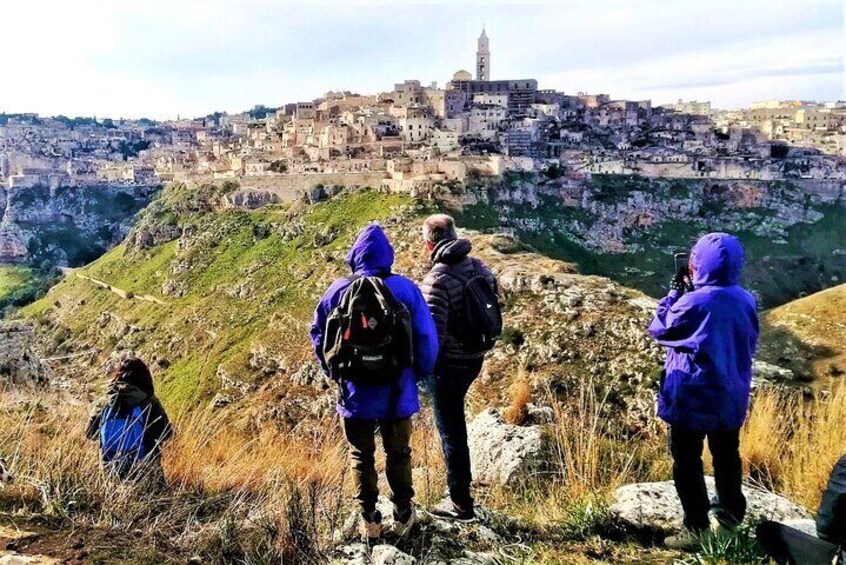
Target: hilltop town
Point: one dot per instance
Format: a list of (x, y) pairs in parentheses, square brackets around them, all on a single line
[(415, 136)]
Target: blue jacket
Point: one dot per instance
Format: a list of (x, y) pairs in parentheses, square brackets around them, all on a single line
[(710, 334), (372, 254)]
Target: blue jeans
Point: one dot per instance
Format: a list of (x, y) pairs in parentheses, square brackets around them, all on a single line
[(448, 387)]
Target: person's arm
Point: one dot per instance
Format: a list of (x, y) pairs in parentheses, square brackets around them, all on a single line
[(92, 430), (162, 429), (678, 321), (831, 518), (424, 334), (436, 296)]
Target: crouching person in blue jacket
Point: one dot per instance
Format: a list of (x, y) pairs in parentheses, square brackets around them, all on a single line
[(374, 336), (709, 325), (131, 425)]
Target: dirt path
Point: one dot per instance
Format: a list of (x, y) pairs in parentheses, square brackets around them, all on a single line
[(120, 292)]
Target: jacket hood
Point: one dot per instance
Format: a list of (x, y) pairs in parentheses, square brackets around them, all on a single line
[(124, 394), (371, 253), (717, 260), (451, 251)]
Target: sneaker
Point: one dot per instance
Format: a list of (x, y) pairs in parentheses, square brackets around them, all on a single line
[(371, 527), (451, 511), (404, 521), (686, 540)]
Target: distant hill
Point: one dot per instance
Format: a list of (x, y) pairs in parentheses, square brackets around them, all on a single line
[(808, 335)]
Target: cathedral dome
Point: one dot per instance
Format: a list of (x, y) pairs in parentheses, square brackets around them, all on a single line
[(462, 75)]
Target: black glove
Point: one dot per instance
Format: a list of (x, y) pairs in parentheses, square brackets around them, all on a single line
[(680, 283)]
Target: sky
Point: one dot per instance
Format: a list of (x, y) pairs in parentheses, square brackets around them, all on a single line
[(168, 58)]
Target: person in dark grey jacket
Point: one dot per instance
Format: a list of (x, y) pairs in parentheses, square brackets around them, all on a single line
[(443, 289)]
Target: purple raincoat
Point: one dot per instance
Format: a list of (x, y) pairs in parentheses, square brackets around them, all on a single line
[(710, 334), (372, 254)]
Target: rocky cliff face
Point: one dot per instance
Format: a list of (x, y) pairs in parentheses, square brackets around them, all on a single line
[(627, 227), (69, 226)]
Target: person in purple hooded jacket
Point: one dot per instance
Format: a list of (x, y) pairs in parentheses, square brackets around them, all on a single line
[(709, 325), (366, 408)]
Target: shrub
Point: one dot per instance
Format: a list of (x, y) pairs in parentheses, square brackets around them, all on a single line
[(513, 336)]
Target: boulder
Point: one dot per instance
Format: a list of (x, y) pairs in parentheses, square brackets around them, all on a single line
[(502, 453), (656, 506), (765, 373), (390, 555), (357, 554), (804, 525)]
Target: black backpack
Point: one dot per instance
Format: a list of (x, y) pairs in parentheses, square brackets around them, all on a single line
[(368, 336), (479, 324)]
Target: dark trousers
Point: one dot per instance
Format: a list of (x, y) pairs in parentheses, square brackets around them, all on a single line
[(788, 546), (689, 476), (448, 387), (396, 435)]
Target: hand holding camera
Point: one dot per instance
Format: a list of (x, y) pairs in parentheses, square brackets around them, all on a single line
[(682, 280)]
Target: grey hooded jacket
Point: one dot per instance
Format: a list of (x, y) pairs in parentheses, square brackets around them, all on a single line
[(443, 289)]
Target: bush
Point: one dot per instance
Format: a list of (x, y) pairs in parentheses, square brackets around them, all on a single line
[(513, 336)]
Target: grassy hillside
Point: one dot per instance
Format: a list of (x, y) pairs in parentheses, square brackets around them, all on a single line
[(233, 283), (18, 285), (13, 279), (808, 335)]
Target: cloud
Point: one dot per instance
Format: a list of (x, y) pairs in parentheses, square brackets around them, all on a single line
[(166, 57)]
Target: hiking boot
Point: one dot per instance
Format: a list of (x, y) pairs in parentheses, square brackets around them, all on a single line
[(686, 540), (371, 527), (451, 511), (404, 521)]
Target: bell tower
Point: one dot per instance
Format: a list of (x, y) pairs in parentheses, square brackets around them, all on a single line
[(483, 58)]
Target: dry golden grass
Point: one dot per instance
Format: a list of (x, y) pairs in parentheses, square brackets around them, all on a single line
[(791, 444), (521, 395), (236, 493)]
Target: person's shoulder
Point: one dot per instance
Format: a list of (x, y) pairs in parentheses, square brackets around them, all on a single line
[(404, 289), (482, 266), (337, 286), (400, 282)]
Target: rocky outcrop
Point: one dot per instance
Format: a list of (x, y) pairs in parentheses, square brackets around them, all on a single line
[(250, 199), (63, 226), (432, 540), (19, 363), (656, 507), (506, 454)]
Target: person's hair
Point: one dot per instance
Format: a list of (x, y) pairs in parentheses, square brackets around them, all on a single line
[(439, 227), (134, 371)]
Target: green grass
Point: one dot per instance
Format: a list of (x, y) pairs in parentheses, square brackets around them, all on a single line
[(13, 279)]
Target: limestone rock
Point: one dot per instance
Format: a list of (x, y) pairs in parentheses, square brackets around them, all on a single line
[(805, 525), (356, 554), (656, 506), (18, 361), (390, 555), (502, 453), (763, 372)]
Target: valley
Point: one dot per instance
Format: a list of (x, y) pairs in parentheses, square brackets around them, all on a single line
[(218, 300)]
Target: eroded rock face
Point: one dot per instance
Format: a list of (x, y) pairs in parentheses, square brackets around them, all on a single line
[(505, 454), (18, 361), (66, 225), (656, 506), (250, 199)]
